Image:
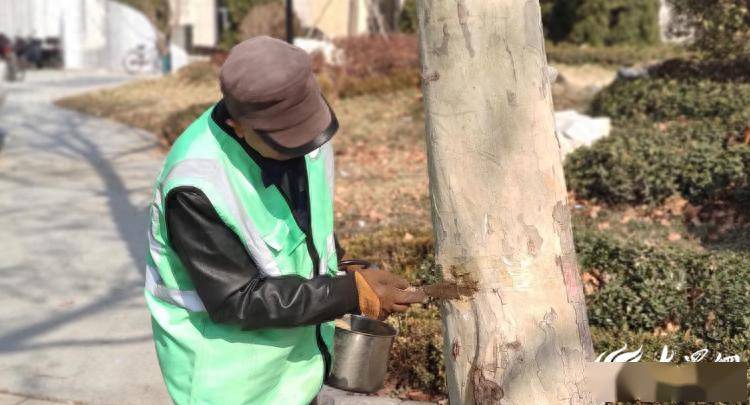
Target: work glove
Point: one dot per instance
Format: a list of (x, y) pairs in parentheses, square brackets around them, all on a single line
[(382, 293)]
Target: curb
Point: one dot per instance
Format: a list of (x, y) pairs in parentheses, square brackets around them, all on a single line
[(332, 396)]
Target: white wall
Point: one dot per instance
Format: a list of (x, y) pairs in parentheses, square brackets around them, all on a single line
[(93, 33), (31, 17), (201, 15)]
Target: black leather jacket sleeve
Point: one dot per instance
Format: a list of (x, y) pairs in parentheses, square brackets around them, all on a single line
[(229, 283)]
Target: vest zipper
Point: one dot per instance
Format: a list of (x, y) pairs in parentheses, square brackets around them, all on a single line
[(315, 258)]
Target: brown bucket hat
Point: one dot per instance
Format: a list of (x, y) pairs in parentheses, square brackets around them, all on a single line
[(269, 86)]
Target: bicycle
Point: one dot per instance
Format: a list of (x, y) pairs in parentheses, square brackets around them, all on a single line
[(142, 59)]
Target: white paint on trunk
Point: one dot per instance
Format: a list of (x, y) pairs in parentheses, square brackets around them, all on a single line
[(500, 206)]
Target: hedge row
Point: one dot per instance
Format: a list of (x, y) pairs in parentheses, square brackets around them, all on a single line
[(649, 287), (733, 70), (704, 161), (698, 149), (618, 55), (666, 99)]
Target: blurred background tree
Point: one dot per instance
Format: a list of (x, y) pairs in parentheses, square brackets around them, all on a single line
[(407, 21), (601, 22), (238, 10), (720, 29), (267, 18)]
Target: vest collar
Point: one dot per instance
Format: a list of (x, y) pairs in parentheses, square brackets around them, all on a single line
[(271, 170)]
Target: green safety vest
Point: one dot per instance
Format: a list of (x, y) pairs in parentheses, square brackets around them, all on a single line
[(209, 363)]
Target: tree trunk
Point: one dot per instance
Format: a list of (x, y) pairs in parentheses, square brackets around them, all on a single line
[(517, 330)]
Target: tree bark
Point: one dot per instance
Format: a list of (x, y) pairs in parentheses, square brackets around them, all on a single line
[(518, 334)]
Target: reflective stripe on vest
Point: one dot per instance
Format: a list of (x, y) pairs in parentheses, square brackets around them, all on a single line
[(184, 299), (213, 172)]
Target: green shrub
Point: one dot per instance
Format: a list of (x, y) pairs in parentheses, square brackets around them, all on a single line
[(709, 171), (602, 22), (629, 166), (664, 99), (616, 55), (407, 20), (647, 288), (720, 28), (639, 163), (733, 70)]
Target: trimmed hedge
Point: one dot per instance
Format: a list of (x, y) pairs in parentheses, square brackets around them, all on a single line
[(705, 293), (734, 70), (696, 152), (640, 163), (666, 99)]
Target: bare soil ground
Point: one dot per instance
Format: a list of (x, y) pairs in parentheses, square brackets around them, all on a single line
[(576, 85)]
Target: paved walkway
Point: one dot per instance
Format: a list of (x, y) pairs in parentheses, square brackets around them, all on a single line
[(73, 189), (73, 194)]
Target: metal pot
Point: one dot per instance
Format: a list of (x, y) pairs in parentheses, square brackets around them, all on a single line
[(361, 350)]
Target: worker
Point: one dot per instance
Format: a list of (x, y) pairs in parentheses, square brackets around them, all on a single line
[(242, 277)]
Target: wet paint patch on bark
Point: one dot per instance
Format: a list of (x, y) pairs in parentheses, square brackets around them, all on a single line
[(459, 285), (485, 391)]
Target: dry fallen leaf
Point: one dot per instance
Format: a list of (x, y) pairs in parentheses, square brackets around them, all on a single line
[(675, 204), (628, 215), (674, 236), (594, 212)]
